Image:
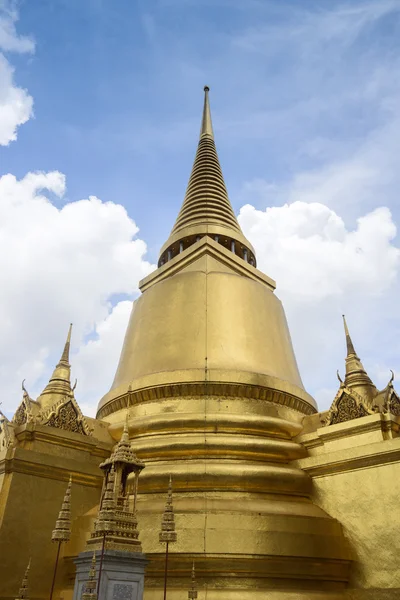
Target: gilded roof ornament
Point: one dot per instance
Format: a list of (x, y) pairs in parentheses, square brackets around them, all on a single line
[(89, 590), (168, 534), (357, 395), (62, 530), (23, 590)]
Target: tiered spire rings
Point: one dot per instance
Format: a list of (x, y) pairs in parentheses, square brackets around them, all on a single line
[(168, 534), (23, 590), (62, 530)]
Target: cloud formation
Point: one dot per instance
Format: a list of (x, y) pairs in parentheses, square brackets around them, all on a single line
[(16, 105), (60, 265)]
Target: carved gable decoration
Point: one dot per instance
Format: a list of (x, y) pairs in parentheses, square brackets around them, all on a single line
[(21, 414), (67, 416), (393, 403), (6, 432), (346, 406)]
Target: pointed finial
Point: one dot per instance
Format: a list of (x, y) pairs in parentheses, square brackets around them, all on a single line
[(192, 593), (90, 587), (23, 590), (65, 354), (206, 123), (168, 534), (62, 530), (349, 343)]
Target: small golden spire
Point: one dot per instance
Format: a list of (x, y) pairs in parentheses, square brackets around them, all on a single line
[(89, 589), (23, 590), (62, 531), (356, 376), (192, 593), (59, 385), (168, 534), (206, 123)]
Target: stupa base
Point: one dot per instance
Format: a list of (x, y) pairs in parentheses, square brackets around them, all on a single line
[(122, 576)]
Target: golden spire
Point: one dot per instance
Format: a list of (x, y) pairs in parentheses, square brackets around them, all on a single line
[(62, 531), (206, 209), (59, 385), (168, 534), (192, 593), (23, 590), (90, 587), (356, 376)]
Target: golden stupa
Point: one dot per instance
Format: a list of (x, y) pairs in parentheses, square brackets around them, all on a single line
[(272, 499)]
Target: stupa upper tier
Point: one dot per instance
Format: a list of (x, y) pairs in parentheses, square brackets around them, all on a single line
[(206, 209)]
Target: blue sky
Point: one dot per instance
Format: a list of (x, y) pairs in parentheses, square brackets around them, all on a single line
[(305, 104)]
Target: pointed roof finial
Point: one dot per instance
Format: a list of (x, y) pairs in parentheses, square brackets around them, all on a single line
[(168, 534), (59, 385), (65, 354), (62, 530), (192, 593), (23, 590), (206, 123), (349, 343)]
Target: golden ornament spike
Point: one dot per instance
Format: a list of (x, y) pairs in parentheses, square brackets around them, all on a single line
[(192, 593), (206, 209), (62, 530), (168, 533), (349, 343), (206, 123), (89, 590)]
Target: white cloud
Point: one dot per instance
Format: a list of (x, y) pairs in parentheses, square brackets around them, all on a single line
[(10, 41), (16, 105), (60, 265), (308, 248)]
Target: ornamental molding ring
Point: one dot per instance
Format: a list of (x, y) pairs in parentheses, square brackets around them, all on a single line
[(198, 389)]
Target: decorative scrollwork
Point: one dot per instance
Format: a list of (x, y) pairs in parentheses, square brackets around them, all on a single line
[(67, 418)]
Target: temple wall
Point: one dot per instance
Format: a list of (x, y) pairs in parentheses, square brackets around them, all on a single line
[(34, 474), (355, 467)]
